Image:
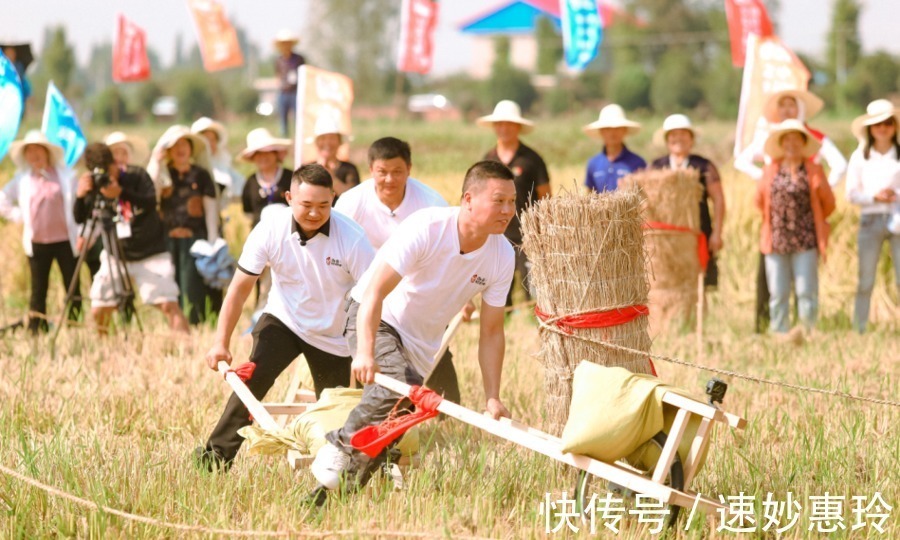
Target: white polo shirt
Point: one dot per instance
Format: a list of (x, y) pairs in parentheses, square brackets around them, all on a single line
[(437, 279), (310, 278), (363, 206)]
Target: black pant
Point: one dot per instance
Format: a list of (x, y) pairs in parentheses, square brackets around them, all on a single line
[(40, 264), (275, 346)]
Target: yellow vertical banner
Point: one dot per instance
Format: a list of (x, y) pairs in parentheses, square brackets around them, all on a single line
[(321, 93)]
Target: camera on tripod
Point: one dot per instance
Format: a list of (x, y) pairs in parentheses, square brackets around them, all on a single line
[(101, 178)]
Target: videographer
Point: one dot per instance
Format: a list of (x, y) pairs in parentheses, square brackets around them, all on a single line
[(130, 196)]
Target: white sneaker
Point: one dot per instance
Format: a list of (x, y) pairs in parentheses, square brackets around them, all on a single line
[(330, 462)]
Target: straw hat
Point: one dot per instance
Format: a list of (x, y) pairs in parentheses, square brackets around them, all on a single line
[(199, 153), (138, 146), (205, 124), (507, 111), (773, 142), (17, 149), (809, 103), (877, 112), (286, 36), (260, 140), (611, 116), (672, 122), (326, 124)]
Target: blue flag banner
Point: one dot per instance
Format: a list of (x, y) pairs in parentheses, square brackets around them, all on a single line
[(10, 103), (61, 126), (582, 31)]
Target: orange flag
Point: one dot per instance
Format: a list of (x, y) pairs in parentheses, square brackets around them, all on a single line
[(321, 94), (770, 67), (218, 41), (130, 62)]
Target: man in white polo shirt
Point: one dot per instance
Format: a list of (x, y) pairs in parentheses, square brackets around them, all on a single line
[(434, 263), (315, 256), (384, 201)]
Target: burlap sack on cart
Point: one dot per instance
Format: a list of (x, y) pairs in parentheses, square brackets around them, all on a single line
[(614, 412), (306, 433)]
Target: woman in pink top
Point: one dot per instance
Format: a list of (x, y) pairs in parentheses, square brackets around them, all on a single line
[(40, 195)]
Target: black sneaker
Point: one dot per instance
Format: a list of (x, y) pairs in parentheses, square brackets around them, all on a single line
[(209, 460), (317, 497)]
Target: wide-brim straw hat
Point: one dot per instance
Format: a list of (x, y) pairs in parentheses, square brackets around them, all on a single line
[(199, 153), (140, 150), (260, 140), (286, 36), (206, 124), (507, 111), (673, 122), (17, 149), (773, 147), (809, 103), (611, 116), (877, 112), (326, 124)]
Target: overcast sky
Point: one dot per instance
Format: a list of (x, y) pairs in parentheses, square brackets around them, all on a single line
[(803, 23)]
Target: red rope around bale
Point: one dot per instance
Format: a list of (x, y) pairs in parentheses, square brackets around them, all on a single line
[(372, 440), (702, 249), (244, 371)]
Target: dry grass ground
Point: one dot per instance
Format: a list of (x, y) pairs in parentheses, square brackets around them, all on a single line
[(114, 420)]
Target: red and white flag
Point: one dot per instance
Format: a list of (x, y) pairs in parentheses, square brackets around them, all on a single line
[(218, 40), (130, 62), (418, 19), (745, 17)]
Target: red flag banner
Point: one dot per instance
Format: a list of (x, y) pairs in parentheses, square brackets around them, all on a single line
[(218, 41), (418, 19), (771, 67), (130, 62), (321, 94), (745, 17)]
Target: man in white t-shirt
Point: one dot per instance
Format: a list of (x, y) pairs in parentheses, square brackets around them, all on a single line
[(384, 201), (435, 262), (315, 257)]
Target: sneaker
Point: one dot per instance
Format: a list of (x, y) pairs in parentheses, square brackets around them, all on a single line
[(317, 497), (330, 462), (209, 460)]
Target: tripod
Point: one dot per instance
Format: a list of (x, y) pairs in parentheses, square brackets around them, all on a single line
[(102, 224)]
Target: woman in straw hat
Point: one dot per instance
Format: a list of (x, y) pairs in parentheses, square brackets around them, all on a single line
[(230, 183), (286, 65), (179, 166), (873, 183), (529, 169), (795, 199), (268, 184), (328, 138), (41, 195), (127, 149), (678, 135), (616, 160)]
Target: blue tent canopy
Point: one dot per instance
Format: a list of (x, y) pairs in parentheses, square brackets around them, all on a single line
[(514, 18)]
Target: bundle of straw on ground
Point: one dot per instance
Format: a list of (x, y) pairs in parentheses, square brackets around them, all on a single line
[(587, 255), (672, 198)]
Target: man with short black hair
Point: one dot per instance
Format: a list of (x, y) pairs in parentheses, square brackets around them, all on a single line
[(435, 262), (143, 239), (315, 256)]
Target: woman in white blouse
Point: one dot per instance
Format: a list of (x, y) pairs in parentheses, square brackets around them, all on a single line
[(873, 183)]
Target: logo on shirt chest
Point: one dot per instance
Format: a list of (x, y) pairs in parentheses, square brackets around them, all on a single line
[(331, 261), (517, 170), (478, 280)]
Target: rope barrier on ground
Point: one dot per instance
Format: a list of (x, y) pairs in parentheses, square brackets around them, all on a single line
[(801, 388), (183, 527)]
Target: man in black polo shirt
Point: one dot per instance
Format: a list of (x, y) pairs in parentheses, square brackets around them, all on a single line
[(532, 180), (140, 229)]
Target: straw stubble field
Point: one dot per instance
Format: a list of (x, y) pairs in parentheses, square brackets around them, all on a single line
[(114, 421)]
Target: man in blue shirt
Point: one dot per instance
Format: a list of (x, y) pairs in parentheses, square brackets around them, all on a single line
[(615, 161)]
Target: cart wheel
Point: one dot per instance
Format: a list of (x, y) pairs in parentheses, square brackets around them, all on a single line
[(588, 484)]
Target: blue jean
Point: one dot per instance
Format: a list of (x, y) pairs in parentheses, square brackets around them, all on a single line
[(873, 233), (800, 270), (287, 104)]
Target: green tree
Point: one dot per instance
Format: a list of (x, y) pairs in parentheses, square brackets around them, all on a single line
[(873, 77), (722, 85), (675, 86), (198, 95), (629, 86), (145, 95), (57, 62), (843, 46), (507, 82), (97, 75), (110, 107), (549, 46)]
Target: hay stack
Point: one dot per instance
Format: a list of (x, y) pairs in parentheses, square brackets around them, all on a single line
[(672, 197), (587, 255)]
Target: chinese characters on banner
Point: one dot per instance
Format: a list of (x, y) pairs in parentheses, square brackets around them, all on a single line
[(418, 19), (582, 31), (771, 67), (745, 17), (320, 93), (218, 41), (130, 62)]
